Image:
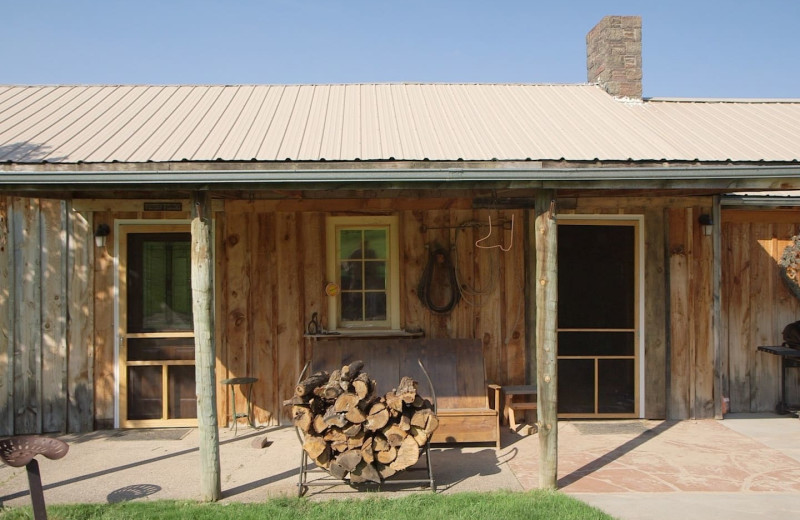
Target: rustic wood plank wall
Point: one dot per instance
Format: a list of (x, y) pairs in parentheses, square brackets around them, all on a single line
[(273, 277), (54, 315), (7, 325), (756, 305), (40, 361), (270, 279)]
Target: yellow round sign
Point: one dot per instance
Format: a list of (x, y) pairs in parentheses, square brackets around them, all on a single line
[(331, 289)]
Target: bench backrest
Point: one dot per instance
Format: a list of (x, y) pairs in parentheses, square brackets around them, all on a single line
[(455, 366)]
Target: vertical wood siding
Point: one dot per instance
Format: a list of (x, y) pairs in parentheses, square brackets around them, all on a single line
[(84, 304), (58, 326), (273, 277), (756, 306), (39, 358), (7, 325)]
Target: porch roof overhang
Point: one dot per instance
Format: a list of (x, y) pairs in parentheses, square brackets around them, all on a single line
[(721, 178)]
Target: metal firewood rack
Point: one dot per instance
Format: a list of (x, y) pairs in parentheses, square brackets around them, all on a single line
[(308, 467)]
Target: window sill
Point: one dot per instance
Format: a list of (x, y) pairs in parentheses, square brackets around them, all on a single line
[(367, 334)]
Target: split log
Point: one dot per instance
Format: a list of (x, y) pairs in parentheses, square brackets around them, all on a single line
[(394, 402), (386, 456), (337, 470), (405, 421), (365, 472), (352, 430), (351, 371), (349, 459), (355, 415), (385, 471), (407, 454), (302, 417), (314, 445), (407, 390), (379, 443), (307, 385), (319, 423), (378, 417), (332, 418), (419, 435), (363, 385), (394, 434), (366, 450), (345, 402)]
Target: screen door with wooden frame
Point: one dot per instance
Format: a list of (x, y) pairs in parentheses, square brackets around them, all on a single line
[(597, 318), (156, 353)]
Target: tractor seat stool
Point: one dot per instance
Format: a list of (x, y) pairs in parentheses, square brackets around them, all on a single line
[(20, 451), (233, 383)]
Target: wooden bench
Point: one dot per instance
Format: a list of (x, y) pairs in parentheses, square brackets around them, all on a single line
[(456, 367)]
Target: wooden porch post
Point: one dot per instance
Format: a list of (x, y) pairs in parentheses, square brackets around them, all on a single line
[(546, 339), (202, 305)]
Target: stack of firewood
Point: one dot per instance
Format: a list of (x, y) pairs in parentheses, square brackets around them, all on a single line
[(347, 429)]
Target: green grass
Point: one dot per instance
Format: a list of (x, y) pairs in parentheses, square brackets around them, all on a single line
[(550, 505)]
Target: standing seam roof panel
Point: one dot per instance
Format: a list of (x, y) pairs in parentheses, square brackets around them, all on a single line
[(406, 126), (153, 129), (371, 147), (391, 144), (231, 111), (351, 124), (298, 123), (22, 121), (133, 132), (113, 119), (276, 133), (331, 145), (18, 99), (461, 114), (56, 121), (243, 122), (78, 120), (311, 143), (261, 124), (71, 124), (187, 119), (204, 139), (96, 120)]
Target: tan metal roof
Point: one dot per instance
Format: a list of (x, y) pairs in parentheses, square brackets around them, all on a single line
[(133, 124)]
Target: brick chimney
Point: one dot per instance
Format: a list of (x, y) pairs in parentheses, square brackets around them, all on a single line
[(614, 55)]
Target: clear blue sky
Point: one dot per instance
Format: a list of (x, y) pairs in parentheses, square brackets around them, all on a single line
[(732, 48)]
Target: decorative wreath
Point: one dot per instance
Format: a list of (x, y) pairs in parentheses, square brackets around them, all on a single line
[(790, 266)]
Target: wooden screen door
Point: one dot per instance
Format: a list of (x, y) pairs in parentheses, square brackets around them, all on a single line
[(597, 318), (156, 352)]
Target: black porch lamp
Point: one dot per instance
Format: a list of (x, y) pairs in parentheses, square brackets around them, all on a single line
[(100, 235), (707, 222)]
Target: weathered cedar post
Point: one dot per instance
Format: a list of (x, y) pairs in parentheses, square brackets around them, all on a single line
[(546, 339), (202, 291)]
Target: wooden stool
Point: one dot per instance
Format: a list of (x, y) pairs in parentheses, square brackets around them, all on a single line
[(510, 406)]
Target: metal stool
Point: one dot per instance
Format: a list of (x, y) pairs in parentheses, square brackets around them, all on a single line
[(233, 382), (20, 451)]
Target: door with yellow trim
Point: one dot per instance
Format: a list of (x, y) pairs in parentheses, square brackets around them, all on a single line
[(156, 353)]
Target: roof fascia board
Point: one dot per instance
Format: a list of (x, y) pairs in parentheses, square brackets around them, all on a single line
[(761, 177)]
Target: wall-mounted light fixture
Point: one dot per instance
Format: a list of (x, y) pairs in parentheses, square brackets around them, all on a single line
[(708, 224), (100, 235)]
